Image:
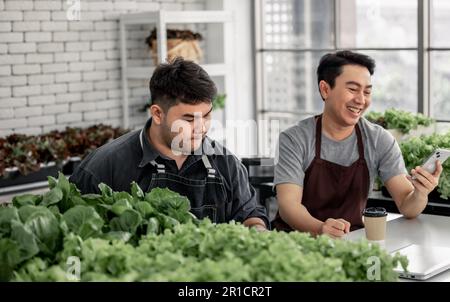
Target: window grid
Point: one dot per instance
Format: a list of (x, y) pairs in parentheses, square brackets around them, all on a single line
[(289, 84)]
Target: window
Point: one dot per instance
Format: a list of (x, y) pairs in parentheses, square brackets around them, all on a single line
[(413, 65), (440, 59)]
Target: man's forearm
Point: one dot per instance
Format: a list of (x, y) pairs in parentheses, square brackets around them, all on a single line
[(413, 204), (300, 219)]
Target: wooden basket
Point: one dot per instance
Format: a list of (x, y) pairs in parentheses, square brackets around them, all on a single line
[(188, 49)]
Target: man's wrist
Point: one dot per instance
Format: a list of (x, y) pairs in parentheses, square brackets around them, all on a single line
[(419, 196)]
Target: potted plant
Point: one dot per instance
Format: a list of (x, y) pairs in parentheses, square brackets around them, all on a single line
[(402, 124), (180, 43), (27, 159)]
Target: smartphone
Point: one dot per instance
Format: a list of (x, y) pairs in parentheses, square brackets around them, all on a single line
[(430, 163)]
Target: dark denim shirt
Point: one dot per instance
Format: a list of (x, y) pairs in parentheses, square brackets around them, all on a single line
[(123, 161)]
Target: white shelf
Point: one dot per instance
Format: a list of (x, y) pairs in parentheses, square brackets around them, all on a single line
[(146, 72), (174, 17), (219, 37)]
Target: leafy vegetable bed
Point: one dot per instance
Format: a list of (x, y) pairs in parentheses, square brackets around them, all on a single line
[(28, 153), (398, 119), (152, 237)]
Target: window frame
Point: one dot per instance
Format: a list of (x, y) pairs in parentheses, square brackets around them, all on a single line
[(423, 49)]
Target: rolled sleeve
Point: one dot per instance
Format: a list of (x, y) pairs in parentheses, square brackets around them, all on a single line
[(288, 168), (391, 161)]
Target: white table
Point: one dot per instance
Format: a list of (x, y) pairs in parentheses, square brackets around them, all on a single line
[(425, 230)]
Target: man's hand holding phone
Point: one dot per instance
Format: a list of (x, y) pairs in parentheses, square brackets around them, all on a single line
[(425, 178)]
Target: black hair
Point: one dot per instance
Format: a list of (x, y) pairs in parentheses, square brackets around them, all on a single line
[(181, 81), (330, 66)]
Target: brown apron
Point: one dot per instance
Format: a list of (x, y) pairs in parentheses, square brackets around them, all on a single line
[(334, 191)]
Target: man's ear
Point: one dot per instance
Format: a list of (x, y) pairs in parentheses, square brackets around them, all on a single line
[(324, 89), (157, 113)]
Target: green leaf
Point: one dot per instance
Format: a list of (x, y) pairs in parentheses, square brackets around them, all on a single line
[(84, 221), (153, 226), (106, 190), (7, 215), (123, 195), (25, 240), (136, 191), (44, 225), (73, 245), (168, 222), (27, 211), (63, 184), (120, 206), (52, 197), (145, 209), (92, 199), (122, 236), (26, 199), (164, 199), (77, 201), (74, 190), (9, 258), (128, 221), (54, 209), (52, 182)]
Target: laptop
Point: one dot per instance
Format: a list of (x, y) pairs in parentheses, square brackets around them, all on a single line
[(424, 261)]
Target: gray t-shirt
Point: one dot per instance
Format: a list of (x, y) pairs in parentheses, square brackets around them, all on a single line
[(297, 151)]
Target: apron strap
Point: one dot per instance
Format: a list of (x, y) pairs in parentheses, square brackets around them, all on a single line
[(208, 166), (159, 167), (319, 138), (360, 142), (318, 135)]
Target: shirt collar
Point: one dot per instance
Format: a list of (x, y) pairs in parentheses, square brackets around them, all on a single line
[(149, 153)]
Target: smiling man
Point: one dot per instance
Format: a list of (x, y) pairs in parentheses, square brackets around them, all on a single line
[(327, 164), (172, 151)]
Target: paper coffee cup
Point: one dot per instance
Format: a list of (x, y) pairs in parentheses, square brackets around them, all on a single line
[(375, 223)]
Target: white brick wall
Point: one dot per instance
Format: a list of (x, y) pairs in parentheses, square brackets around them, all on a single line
[(21, 47), (26, 91), (36, 15), (28, 111), (26, 68), (14, 80), (38, 36), (5, 26), (49, 68), (19, 26), (39, 58), (41, 79), (50, 47), (55, 72), (18, 5), (41, 120), (48, 5), (5, 70), (41, 100)]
